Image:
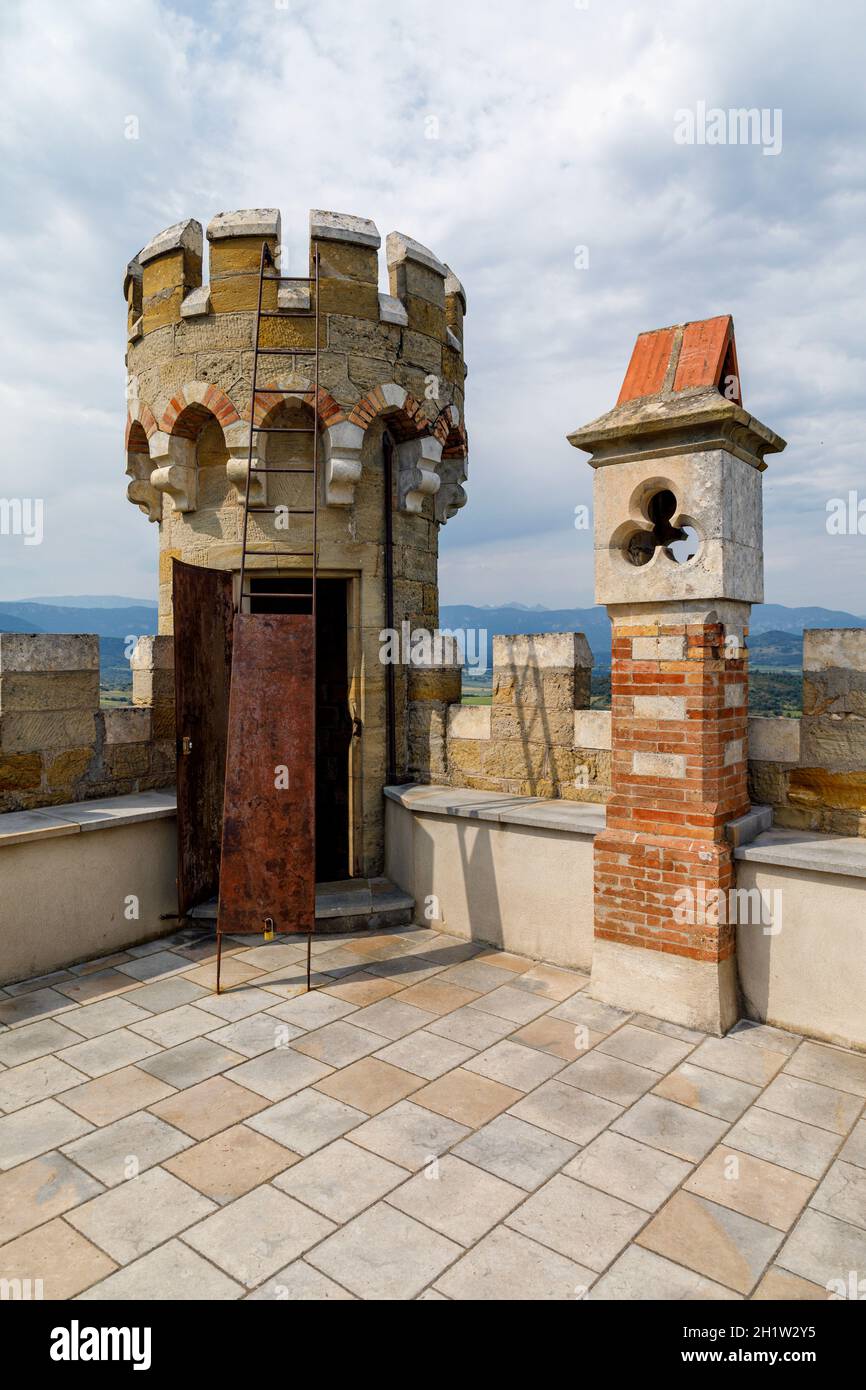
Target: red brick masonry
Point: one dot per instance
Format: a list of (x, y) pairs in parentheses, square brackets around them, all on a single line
[(679, 726)]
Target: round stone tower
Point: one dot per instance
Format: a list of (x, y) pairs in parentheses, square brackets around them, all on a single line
[(390, 402)]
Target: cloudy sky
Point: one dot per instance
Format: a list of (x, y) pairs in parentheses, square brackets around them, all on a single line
[(555, 128)]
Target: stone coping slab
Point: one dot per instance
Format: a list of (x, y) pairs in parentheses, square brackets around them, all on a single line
[(540, 813), (808, 849), (104, 813)]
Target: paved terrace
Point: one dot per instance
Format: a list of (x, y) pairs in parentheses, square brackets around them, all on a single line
[(437, 1120)]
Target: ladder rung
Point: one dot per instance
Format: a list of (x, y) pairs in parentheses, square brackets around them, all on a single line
[(284, 429), (293, 511), (282, 470), (305, 279), (288, 314), (281, 595)]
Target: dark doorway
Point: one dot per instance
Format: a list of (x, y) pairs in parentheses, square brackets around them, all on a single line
[(203, 615), (333, 722)]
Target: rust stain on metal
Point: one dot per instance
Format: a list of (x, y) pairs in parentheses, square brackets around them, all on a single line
[(268, 849), (203, 617)]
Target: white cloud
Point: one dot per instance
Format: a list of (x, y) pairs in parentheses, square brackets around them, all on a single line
[(555, 130)]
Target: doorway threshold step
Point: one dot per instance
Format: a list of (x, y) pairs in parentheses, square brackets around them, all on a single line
[(351, 904)]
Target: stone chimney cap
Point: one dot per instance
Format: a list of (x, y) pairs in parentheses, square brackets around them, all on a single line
[(343, 226), (400, 248), (454, 286), (700, 408), (183, 236), (245, 222)]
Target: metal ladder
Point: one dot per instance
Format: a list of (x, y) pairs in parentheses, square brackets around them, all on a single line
[(268, 272), (312, 313)]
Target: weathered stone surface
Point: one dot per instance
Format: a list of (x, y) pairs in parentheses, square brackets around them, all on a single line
[(215, 333), (836, 741), (592, 728), (774, 740), (469, 721), (44, 651), (400, 248), (368, 339), (827, 650), (20, 772), (64, 769), (392, 311), (817, 787), (196, 302), (542, 651), (183, 236), (343, 226), (768, 782), (432, 683), (25, 733), (591, 776), (127, 759), (246, 222), (127, 725), (422, 351), (836, 691), (349, 297), (534, 725), (49, 690)]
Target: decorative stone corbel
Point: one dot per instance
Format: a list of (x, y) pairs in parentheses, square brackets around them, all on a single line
[(417, 478), (174, 469), (237, 438), (451, 495), (141, 492), (342, 449)]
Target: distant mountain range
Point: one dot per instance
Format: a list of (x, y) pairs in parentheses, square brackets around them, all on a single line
[(776, 638), (92, 601), (776, 633), (107, 620)]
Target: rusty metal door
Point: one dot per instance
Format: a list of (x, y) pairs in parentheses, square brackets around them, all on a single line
[(202, 600), (268, 848)]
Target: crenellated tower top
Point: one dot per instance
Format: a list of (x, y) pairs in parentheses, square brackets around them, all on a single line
[(395, 355)]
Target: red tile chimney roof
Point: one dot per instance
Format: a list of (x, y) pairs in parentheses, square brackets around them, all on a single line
[(703, 353)]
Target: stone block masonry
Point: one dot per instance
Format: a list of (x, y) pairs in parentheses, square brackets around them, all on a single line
[(57, 745), (537, 738), (812, 770)]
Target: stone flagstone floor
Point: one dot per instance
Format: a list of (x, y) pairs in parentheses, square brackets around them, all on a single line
[(437, 1120)]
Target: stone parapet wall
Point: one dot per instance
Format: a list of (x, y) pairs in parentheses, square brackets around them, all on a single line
[(532, 739), (815, 778), (811, 771), (57, 745)]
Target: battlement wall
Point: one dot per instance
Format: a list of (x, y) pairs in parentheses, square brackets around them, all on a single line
[(57, 745), (811, 771)]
